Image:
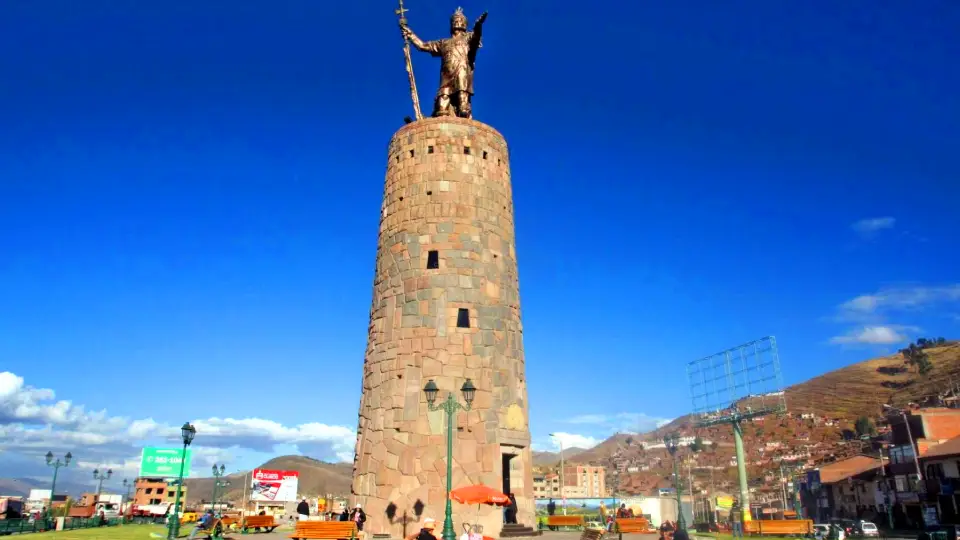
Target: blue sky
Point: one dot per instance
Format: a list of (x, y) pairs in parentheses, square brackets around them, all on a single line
[(189, 197)]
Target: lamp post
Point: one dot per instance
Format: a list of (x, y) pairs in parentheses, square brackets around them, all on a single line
[(56, 464), (450, 406), (563, 495), (100, 477), (672, 441), (217, 475), (187, 433)]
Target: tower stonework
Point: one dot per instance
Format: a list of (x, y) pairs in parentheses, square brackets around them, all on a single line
[(446, 245)]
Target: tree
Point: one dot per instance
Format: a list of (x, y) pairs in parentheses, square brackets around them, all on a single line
[(697, 445), (924, 366), (865, 427)]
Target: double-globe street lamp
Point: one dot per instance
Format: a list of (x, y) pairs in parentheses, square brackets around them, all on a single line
[(450, 406), (100, 477), (187, 432), (672, 442), (56, 464), (217, 474)]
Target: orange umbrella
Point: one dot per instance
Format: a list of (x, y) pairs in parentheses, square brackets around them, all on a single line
[(479, 494)]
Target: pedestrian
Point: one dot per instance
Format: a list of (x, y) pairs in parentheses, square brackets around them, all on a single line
[(358, 517), (303, 510), (736, 521), (551, 510), (512, 510), (427, 532), (344, 516)]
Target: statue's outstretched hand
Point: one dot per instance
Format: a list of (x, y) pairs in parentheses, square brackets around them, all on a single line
[(481, 18), (406, 31)]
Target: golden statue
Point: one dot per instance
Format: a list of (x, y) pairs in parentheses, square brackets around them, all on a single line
[(458, 54)]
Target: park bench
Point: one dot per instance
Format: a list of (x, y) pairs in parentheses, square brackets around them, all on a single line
[(633, 525), (259, 522), (792, 527), (565, 521), (325, 530)]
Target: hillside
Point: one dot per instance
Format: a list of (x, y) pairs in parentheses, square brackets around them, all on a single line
[(553, 458), (818, 427), (316, 478)]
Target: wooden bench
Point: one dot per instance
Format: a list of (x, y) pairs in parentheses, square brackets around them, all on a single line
[(565, 521), (259, 522), (791, 527), (325, 530), (633, 525)]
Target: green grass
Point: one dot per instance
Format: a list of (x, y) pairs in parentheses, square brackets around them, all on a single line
[(123, 532)]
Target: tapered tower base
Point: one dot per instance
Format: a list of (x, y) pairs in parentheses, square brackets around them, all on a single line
[(445, 307)]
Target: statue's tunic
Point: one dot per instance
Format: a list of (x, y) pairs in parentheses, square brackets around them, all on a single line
[(457, 55)]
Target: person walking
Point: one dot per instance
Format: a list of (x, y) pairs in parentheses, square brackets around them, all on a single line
[(512, 510), (303, 510), (736, 521), (551, 510), (358, 517)]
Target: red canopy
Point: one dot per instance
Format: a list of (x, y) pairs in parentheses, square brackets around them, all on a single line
[(479, 494)]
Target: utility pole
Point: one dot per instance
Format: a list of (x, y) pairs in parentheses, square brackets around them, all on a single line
[(563, 491)]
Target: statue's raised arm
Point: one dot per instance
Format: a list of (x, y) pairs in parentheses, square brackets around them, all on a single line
[(457, 58)]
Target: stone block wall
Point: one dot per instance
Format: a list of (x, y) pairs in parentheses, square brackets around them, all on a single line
[(447, 191)]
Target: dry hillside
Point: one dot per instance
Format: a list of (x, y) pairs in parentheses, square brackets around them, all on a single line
[(316, 478)]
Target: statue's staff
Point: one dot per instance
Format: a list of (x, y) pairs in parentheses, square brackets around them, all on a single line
[(401, 12)]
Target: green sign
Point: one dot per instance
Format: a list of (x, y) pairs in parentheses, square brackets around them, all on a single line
[(163, 462)]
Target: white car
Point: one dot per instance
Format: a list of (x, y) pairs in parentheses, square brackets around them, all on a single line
[(869, 529)]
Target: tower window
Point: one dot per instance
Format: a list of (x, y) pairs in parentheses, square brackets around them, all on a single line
[(429, 149), (484, 154), (412, 153), (463, 318), (433, 260), (398, 158), (466, 150)]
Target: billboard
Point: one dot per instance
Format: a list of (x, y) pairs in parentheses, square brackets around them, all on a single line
[(163, 462), (271, 485)]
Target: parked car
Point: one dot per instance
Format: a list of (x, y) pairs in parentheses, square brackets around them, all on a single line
[(866, 528), (821, 531)]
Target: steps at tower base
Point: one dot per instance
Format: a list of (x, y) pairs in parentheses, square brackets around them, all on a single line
[(518, 531)]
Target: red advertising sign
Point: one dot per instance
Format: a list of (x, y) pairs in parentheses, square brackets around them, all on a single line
[(272, 485)]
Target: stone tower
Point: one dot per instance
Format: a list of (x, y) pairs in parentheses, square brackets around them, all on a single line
[(446, 307)]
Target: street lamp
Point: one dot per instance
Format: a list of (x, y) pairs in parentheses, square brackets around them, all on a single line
[(450, 406), (56, 464), (127, 484), (100, 477), (672, 441), (217, 474), (187, 432), (563, 497)]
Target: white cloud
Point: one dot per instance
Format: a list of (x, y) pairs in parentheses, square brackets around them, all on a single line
[(870, 227), (893, 299), (571, 440), (872, 313), (872, 335), (619, 422), (32, 422)]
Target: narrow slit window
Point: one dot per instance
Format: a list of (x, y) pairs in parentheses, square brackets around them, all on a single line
[(433, 260), (484, 154), (412, 153), (466, 150), (398, 158), (463, 318), (429, 149)]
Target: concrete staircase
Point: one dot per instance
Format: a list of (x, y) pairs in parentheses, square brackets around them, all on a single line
[(518, 530)]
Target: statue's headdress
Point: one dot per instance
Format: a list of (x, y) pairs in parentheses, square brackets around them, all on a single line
[(458, 21)]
